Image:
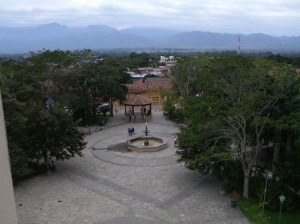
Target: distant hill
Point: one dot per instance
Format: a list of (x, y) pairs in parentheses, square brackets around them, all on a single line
[(155, 34), (55, 36), (217, 41)]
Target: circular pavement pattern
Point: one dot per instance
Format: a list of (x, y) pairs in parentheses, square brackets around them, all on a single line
[(110, 185), (118, 154)]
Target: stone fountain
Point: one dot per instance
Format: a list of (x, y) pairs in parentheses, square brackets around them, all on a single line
[(146, 143)]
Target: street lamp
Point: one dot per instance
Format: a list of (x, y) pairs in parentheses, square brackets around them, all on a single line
[(268, 175), (281, 199)]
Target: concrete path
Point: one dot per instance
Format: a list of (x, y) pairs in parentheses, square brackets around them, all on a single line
[(111, 186)]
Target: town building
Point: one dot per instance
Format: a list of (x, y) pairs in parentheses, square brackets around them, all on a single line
[(150, 88)]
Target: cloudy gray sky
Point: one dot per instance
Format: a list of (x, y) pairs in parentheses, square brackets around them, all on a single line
[(273, 17)]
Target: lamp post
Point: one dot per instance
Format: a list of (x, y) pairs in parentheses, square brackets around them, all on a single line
[(268, 176), (281, 199)]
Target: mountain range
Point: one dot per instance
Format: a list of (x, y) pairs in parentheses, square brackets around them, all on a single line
[(100, 37)]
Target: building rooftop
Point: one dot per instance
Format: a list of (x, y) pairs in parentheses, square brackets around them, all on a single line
[(137, 100), (150, 84)]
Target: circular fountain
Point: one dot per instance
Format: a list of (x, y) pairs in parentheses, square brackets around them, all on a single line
[(146, 143)]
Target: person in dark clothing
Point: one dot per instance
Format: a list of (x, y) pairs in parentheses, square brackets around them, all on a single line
[(131, 131)]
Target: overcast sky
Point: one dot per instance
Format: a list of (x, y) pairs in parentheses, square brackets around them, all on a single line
[(273, 17)]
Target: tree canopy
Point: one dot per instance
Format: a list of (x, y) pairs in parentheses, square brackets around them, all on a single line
[(47, 93), (230, 110)]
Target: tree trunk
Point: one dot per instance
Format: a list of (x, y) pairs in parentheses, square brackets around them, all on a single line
[(246, 186), (47, 163), (276, 154), (111, 112)]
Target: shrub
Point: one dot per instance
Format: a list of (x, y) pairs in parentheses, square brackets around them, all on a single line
[(101, 119), (232, 175), (273, 191)]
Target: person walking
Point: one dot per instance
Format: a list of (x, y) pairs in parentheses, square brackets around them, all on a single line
[(129, 131), (175, 141)]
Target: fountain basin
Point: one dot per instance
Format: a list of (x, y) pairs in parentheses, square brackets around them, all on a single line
[(137, 144)]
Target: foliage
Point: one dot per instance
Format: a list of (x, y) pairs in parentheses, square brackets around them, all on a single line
[(14, 93), (173, 111), (18, 161), (102, 119), (77, 85), (138, 60), (184, 76), (251, 210), (289, 171), (46, 92), (51, 133), (274, 190), (293, 60), (172, 106), (31, 126), (231, 175), (229, 109)]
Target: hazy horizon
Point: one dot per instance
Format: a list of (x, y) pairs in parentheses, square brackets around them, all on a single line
[(275, 18)]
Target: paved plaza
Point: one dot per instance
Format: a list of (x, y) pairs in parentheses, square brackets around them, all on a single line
[(112, 186)]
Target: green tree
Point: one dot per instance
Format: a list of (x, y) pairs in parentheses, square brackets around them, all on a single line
[(231, 117), (29, 122), (14, 94), (51, 133), (138, 60), (105, 80)]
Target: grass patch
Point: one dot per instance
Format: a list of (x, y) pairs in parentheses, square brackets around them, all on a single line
[(286, 218), (252, 211)]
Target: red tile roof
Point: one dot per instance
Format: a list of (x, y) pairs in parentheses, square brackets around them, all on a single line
[(150, 84), (137, 100)]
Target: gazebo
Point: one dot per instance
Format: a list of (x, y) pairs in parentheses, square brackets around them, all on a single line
[(137, 101)]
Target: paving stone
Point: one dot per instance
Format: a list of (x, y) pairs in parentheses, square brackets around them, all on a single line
[(111, 186)]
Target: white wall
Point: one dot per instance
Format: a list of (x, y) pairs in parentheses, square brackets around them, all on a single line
[(7, 200)]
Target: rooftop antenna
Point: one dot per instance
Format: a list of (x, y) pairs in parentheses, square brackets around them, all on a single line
[(239, 45)]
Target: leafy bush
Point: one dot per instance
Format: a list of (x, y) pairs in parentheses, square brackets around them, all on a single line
[(273, 191), (101, 119), (277, 188), (18, 161), (232, 175), (173, 111)]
